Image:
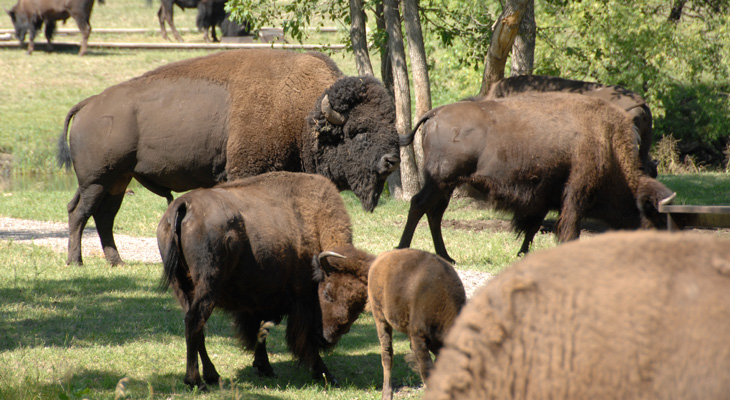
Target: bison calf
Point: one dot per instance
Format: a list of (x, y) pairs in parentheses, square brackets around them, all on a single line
[(416, 293), (248, 247), (534, 153), (628, 315)]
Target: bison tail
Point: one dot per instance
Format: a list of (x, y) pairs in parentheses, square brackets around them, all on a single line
[(174, 266), (405, 140), (63, 157)]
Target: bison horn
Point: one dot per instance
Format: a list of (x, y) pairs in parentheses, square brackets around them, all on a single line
[(332, 116), (326, 267), (668, 200)]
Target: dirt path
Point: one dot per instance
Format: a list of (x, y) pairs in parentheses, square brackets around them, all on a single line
[(144, 249)]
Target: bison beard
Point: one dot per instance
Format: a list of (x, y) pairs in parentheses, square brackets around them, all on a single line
[(247, 247)]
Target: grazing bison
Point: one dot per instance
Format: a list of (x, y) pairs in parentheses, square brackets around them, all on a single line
[(29, 15), (164, 15), (249, 247), (417, 293), (630, 102), (197, 122), (531, 154), (630, 315)]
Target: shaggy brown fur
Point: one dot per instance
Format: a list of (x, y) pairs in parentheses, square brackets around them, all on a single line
[(232, 114), (631, 103), (531, 154), (642, 315), (247, 247), (29, 15), (417, 293)]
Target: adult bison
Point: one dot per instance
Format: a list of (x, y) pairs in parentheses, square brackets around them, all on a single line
[(212, 13), (164, 15), (629, 315), (633, 104), (197, 122), (258, 248), (531, 154), (28, 16)]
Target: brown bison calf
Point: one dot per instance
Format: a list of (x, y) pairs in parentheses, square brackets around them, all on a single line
[(416, 293), (258, 249), (642, 315)]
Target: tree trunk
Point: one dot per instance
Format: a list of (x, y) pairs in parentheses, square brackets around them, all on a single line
[(676, 14), (505, 30), (523, 50), (359, 39), (386, 66), (408, 172), (419, 68)]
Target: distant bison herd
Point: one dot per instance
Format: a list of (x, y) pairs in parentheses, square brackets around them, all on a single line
[(264, 140)]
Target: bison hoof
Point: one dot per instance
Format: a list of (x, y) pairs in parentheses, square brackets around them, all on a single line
[(265, 371), (192, 384), (212, 380)]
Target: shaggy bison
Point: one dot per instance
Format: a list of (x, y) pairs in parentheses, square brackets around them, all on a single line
[(198, 122), (531, 154), (633, 104), (264, 248), (29, 15), (626, 315), (417, 293)]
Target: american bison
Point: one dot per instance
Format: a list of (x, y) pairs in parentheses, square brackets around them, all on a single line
[(531, 154), (231, 114), (264, 248), (164, 15), (626, 315), (212, 13), (28, 16), (417, 293), (626, 100)]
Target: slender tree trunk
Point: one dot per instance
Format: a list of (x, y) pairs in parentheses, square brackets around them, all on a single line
[(386, 66), (523, 50), (359, 39), (419, 69), (505, 30), (676, 14), (408, 172)]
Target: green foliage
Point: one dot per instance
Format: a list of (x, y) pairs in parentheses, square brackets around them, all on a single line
[(681, 68)]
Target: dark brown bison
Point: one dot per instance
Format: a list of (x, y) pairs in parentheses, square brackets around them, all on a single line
[(212, 13), (531, 154), (197, 122), (417, 293), (28, 16), (164, 15), (627, 315), (630, 102), (249, 247)]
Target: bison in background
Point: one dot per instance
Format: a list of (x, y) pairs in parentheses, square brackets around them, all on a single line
[(165, 13), (231, 114), (629, 315), (534, 153), (28, 16), (633, 104), (212, 13), (264, 248)]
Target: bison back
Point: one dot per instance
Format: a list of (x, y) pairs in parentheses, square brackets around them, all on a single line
[(624, 315)]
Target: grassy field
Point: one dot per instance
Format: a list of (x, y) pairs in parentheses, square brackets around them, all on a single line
[(107, 333)]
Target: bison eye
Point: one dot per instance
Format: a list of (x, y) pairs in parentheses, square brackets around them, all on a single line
[(327, 294)]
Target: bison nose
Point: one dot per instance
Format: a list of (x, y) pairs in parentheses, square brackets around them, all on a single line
[(388, 163)]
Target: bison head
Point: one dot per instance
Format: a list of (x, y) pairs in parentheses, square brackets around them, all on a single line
[(342, 277), (20, 23), (650, 193), (351, 137)]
